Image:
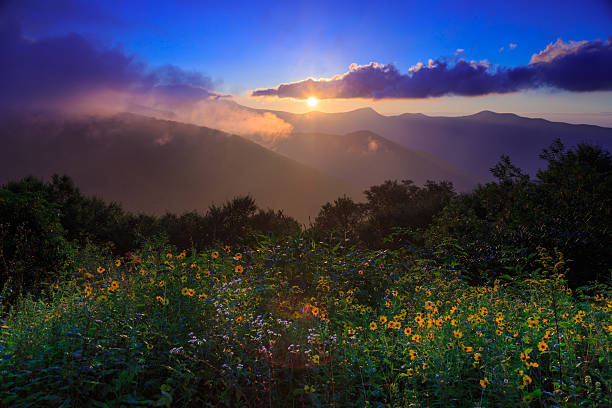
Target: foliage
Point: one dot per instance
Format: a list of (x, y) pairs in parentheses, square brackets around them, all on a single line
[(33, 251), (300, 323), (568, 206), (389, 205)]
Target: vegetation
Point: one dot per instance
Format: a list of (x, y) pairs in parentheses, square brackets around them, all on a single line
[(417, 297)]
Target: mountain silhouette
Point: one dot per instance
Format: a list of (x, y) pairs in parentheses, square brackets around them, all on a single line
[(153, 166)]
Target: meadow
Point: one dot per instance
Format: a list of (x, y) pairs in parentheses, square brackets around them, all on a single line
[(299, 322)]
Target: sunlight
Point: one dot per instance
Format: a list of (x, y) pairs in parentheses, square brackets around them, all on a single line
[(312, 101)]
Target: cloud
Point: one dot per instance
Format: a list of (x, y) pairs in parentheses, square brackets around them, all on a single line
[(74, 74), (576, 66), (512, 46), (558, 49)]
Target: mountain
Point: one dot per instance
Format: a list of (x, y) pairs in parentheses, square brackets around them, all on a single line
[(153, 166), (473, 143), (364, 158)]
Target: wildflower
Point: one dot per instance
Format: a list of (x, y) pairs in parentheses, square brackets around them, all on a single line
[(114, 285), (118, 263), (168, 255), (5, 326), (215, 255), (315, 359), (484, 311), (149, 346), (542, 346), (382, 319), (467, 349), (239, 269), (100, 269), (227, 249), (190, 292), (308, 388), (162, 283), (526, 381), (360, 272), (453, 322), (184, 291), (407, 331), (412, 354), (373, 326), (203, 296), (416, 337), (394, 292), (477, 356), (183, 279), (238, 319), (238, 257), (315, 311), (198, 276), (457, 333), (484, 383)]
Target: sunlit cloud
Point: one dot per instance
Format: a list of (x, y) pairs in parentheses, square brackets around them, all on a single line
[(575, 66)]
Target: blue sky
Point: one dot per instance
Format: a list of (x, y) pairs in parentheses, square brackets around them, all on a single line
[(247, 45)]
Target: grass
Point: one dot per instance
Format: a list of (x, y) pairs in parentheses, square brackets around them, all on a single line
[(300, 323)]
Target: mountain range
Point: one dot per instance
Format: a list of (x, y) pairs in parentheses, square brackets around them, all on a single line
[(156, 165), (472, 143)]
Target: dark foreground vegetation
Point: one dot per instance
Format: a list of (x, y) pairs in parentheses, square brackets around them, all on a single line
[(416, 297)]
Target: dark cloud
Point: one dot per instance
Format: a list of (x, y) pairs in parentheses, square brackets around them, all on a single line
[(73, 74), (577, 66), (52, 71)]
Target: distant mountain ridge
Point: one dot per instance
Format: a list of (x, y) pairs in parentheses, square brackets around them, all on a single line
[(364, 158), (153, 166), (473, 143)]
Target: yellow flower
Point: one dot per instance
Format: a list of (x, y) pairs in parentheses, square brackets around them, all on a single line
[(115, 285), (394, 292), (407, 331), (527, 380), (162, 283), (412, 354), (118, 262), (416, 337), (360, 272), (542, 346), (382, 319), (484, 383), (238, 257), (215, 255), (373, 326), (190, 292), (477, 356), (239, 319), (100, 269), (227, 249), (184, 291), (458, 333), (169, 255), (239, 269), (315, 359), (315, 311)]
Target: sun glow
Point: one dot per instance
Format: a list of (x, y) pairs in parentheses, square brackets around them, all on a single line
[(312, 101)]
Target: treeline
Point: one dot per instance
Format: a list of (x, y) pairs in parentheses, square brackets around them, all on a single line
[(488, 233)]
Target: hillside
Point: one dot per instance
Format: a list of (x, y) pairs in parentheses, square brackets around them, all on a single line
[(155, 166), (473, 143), (364, 159)]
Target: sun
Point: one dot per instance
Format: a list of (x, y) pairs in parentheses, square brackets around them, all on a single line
[(312, 101)]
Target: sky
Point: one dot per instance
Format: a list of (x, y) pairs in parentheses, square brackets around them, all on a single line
[(536, 58)]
